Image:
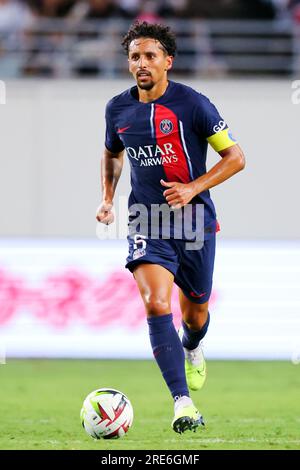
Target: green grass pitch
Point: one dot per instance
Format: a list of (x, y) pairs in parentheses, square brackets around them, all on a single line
[(246, 405)]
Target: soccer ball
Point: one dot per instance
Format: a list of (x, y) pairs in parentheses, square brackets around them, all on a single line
[(106, 413)]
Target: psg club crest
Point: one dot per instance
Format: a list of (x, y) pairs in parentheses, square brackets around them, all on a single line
[(166, 126)]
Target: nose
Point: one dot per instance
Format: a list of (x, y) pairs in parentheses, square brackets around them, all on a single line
[(141, 62)]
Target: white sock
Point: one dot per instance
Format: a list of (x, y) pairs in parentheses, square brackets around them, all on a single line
[(194, 356), (182, 402)]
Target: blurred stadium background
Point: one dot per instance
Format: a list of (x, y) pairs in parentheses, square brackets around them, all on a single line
[(64, 292)]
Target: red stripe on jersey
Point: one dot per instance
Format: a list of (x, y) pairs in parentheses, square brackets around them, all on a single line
[(175, 171)]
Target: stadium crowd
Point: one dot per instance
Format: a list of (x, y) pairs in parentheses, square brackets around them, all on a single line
[(17, 13), (27, 42)]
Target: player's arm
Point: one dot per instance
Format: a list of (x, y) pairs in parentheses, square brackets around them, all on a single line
[(209, 124), (111, 166), (179, 194), (219, 137), (111, 169), (233, 161)]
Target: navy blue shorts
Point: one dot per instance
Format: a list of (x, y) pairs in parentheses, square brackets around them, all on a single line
[(192, 269)]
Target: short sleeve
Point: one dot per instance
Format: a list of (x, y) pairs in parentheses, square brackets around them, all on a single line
[(112, 140), (210, 125)]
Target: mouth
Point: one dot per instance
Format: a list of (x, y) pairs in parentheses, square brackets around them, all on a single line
[(143, 74)]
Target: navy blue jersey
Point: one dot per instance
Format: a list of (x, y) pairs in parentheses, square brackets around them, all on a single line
[(166, 139)]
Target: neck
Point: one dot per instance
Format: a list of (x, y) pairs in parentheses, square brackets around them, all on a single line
[(145, 96)]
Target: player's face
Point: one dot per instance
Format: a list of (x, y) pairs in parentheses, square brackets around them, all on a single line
[(148, 62)]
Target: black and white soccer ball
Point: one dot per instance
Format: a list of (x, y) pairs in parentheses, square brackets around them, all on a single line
[(106, 413)]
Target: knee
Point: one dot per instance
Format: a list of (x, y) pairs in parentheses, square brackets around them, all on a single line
[(196, 317), (156, 306)]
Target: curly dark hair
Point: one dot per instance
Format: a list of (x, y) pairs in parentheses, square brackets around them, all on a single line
[(161, 33)]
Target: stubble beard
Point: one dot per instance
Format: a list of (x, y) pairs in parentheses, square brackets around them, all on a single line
[(145, 86)]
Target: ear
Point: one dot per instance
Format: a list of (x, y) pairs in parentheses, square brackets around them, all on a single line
[(169, 63)]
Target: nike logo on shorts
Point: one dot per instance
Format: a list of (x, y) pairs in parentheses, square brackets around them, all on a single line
[(122, 129), (197, 296)]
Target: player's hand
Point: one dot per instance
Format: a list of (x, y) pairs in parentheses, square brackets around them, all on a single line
[(178, 194), (105, 214)]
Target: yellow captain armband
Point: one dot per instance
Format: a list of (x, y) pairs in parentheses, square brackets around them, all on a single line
[(221, 140)]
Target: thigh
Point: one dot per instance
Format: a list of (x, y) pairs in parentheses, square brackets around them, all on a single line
[(155, 284), (195, 273)]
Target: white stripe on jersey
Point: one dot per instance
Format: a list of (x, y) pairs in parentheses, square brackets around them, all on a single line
[(185, 149), (151, 120)]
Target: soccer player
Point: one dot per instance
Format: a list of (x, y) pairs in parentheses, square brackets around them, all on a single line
[(165, 128)]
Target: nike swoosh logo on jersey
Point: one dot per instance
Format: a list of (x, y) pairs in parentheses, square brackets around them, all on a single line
[(122, 129), (198, 296)]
